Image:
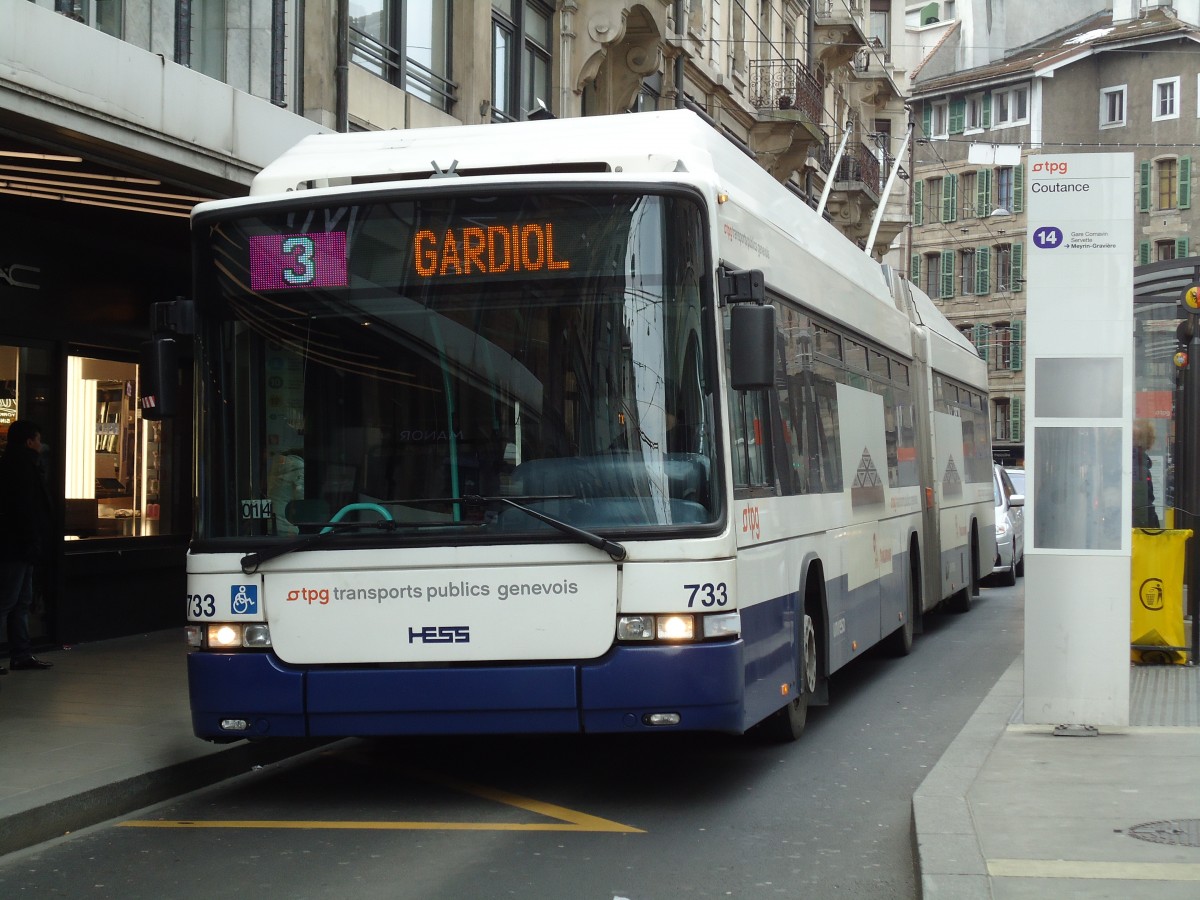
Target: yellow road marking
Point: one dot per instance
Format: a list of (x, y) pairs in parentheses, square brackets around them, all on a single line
[(1092, 869), (567, 819)]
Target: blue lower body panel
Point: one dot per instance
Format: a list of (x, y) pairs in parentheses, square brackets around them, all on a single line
[(703, 683)]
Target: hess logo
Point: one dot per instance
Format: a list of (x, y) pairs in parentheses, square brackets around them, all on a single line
[(1050, 167)]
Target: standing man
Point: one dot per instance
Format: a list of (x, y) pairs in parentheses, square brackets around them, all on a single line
[(26, 534)]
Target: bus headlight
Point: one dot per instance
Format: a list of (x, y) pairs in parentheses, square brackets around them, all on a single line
[(678, 627), (230, 636), (222, 637), (723, 625)]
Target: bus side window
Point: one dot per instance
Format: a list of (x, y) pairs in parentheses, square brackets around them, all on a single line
[(752, 468)]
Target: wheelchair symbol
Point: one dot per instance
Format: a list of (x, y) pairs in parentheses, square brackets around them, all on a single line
[(244, 599)]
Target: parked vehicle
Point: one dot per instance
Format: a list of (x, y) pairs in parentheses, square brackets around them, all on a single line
[(1010, 527)]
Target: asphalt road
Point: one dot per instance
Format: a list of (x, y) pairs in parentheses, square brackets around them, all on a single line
[(828, 817)]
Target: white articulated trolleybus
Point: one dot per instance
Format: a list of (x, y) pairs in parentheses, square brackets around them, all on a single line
[(580, 425)]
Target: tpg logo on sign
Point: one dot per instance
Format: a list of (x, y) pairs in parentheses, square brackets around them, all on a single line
[(243, 599), (1051, 166)]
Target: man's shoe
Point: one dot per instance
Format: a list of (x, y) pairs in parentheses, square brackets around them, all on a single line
[(3, 671), (30, 662)]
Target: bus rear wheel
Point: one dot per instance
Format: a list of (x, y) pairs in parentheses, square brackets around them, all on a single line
[(787, 724)]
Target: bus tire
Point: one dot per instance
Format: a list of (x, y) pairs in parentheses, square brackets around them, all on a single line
[(900, 641), (787, 724)]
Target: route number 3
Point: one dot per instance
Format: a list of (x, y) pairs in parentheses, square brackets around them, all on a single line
[(303, 268), (707, 594)]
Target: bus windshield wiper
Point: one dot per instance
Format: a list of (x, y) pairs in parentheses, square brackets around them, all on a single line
[(612, 548), (251, 561)]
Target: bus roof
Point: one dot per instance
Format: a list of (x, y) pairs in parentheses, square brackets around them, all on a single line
[(642, 142)]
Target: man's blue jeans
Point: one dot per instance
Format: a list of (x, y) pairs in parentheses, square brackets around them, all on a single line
[(16, 599)]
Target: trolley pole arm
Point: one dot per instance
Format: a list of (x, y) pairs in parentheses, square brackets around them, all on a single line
[(887, 190), (837, 158)]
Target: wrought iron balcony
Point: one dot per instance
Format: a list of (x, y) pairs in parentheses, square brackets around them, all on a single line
[(859, 164), (785, 84), (833, 11)]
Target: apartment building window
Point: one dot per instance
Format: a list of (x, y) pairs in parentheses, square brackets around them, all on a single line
[(967, 267), (406, 43), (1167, 180), (881, 24), (933, 274), (940, 122), (520, 58), (1112, 107), (966, 185), (1001, 336), (208, 39), (1011, 106), (1001, 419), (1004, 188), (1166, 98), (974, 113), (1004, 267), (1171, 248)]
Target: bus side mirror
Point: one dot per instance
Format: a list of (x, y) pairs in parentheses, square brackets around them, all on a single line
[(752, 346), (158, 384)]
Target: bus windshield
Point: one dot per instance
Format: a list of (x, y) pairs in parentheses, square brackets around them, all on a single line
[(422, 360)]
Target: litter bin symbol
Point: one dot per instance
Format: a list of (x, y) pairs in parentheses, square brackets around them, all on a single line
[(1156, 631)]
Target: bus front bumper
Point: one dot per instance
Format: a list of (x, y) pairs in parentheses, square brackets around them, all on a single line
[(256, 695)]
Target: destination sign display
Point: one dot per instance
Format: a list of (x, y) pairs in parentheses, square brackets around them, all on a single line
[(454, 251)]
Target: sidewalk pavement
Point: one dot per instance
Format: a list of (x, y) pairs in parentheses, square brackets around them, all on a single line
[(1016, 811), (1010, 811), (106, 731)]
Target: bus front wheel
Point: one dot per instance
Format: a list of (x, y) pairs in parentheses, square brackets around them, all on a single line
[(787, 724)]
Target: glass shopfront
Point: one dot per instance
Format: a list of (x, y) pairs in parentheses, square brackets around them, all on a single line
[(115, 461)]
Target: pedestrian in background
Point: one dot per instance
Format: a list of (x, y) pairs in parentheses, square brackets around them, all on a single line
[(1144, 513), (26, 536)]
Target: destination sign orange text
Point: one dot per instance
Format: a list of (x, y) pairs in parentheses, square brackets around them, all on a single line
[(492, 250)]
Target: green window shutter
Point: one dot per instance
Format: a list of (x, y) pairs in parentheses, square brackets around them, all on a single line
[(1185, 182), (1181, 247), (983, 192), (1018, 188), (1144, 187), (986, 112), (981, 340), (918, 203), (950, 198), (914, 268), (1016, 345), (1143, 253), (958, 115), (927, 118), (1017, 267), (983, 270), (929, 13), (1014, 419), (947, 280)]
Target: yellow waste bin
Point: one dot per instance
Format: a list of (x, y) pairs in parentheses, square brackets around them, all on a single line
[(1156, 629)]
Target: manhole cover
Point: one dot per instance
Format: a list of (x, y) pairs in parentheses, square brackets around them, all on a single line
[(1182, 832)]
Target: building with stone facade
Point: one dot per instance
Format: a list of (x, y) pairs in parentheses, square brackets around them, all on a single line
[(1120, 80)]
